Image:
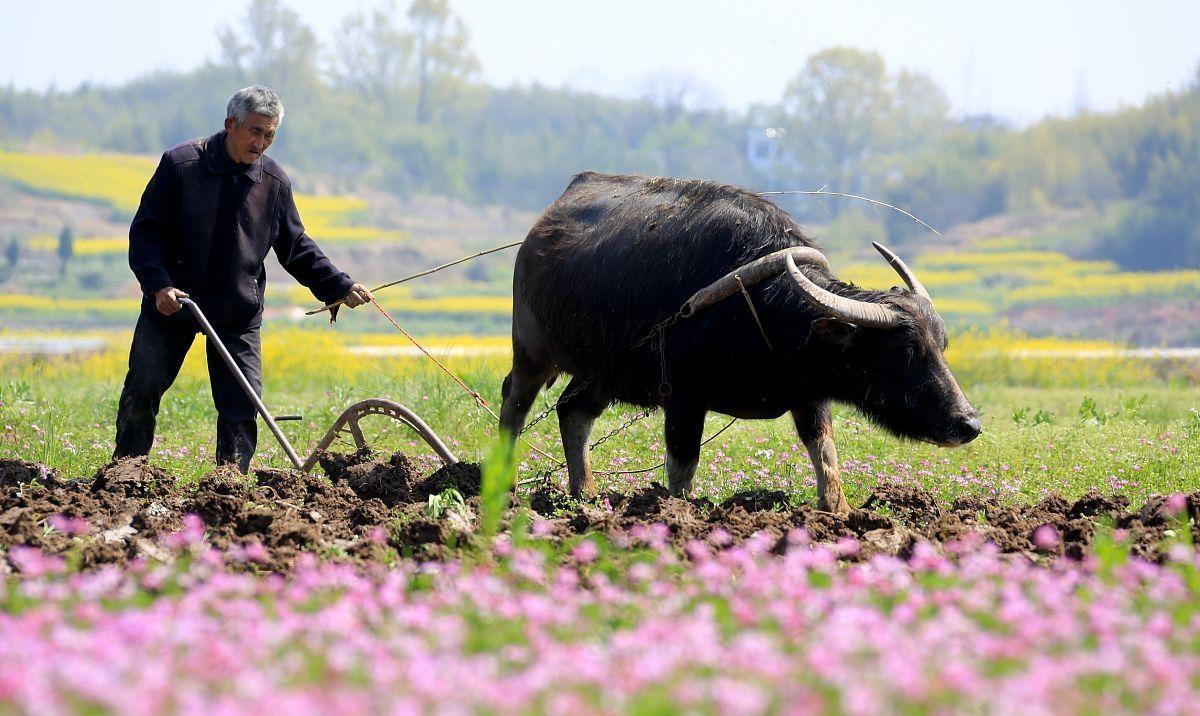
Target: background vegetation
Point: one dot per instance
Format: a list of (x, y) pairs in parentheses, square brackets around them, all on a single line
[(396, 104)]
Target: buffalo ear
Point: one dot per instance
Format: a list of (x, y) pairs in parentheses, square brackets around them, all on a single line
[(833, 330)]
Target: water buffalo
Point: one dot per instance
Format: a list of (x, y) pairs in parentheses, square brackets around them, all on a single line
[(615, 255)]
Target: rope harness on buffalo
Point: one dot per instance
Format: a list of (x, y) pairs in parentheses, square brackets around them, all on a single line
[(482, 403)]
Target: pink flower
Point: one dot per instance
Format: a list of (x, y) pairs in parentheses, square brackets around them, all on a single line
[(33, 562), (798, 537), (1045, 538), (191, 534), (586, 551), (71, 526), (1176, 504), (1180, 553), (847, 546), (250, 552)]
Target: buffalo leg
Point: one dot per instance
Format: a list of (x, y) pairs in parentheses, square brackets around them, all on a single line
[(520, 388), (577, 412), (814, 424), (683, 428)]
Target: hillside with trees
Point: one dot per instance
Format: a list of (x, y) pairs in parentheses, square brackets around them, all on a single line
[(396, 105)]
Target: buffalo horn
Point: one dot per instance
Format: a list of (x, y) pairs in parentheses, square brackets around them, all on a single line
[(750, 274), (861, 313), (905, 272)]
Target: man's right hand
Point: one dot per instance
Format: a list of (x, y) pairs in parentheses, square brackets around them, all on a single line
[(167, 300)]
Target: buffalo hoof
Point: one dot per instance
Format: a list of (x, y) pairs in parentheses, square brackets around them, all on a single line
[(839, 506)]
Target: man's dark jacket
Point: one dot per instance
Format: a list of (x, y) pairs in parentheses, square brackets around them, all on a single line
[(205, 226)]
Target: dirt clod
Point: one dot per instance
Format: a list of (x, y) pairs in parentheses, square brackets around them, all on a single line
[(19, 472), (908, 504), (374, 508), (389, 482), (463, 476), (758, 500), (131, 477)]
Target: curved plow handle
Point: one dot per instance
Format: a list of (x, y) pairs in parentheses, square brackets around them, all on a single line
[(379, 406)]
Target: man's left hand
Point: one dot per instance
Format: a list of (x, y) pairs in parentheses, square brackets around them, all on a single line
[(358, 296)]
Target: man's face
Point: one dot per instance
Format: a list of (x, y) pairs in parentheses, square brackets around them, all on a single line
[(249, 140)]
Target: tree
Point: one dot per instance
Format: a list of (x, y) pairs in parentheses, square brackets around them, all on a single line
[(689, 148), (847, 118), (271, 46), (919, 111), (12, 254), (956, 180), (1162, 232), (675, 93), (442, 54), (374, 56), (837, 108), (66, 248)]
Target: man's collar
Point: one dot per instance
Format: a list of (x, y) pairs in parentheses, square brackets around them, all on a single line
[(216, 158)]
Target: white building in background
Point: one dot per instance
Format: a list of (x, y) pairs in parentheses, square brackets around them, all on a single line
[(763, 147), (769, 158)]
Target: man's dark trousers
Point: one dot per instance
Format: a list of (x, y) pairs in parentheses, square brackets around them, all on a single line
[(160, 344)]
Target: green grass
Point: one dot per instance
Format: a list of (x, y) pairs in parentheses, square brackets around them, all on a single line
[(1132, 438)]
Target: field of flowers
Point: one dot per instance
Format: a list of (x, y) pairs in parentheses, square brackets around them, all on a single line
[(400, 303), (341, 219), (529, 623), (486, 318), (116, 180), (532, 610), (90, 246), (991, 278), (599, 628)]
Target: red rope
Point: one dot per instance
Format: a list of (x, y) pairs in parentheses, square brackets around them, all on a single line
[(474, 394), (483, 403)]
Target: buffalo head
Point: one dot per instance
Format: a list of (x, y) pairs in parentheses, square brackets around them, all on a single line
[(890, 361)]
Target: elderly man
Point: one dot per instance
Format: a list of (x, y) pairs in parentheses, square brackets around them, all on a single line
[(213, 209)]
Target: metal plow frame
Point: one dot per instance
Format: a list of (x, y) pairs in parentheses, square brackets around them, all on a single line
[(348, 422)]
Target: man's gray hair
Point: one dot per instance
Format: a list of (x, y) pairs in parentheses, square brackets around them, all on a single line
[(254, 99)]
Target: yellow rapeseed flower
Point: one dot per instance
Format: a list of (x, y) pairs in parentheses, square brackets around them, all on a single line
[(118, 180), (113, 179)]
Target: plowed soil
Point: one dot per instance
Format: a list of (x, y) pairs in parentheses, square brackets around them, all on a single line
[(371, 509)]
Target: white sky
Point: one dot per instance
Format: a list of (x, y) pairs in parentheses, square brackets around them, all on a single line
[(1020, 59)]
